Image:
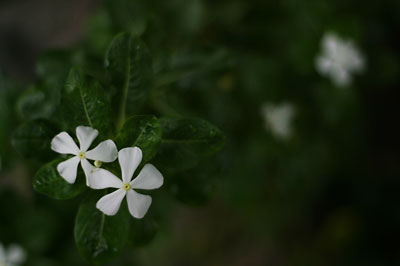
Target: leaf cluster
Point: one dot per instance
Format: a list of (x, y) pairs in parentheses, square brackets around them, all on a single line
[(116, 100)]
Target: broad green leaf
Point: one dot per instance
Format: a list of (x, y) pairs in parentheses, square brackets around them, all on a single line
[(129, 65), (32, 139), (84, 102), (47, 181), (143, 131), (185, 142), (99, 237)]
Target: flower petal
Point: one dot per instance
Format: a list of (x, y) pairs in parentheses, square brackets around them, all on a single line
[(88, 169), (148, 178), (64, 144), (138, 204), (101, 178), (68, 169), (129, 159), (106, 151), (15, 254), (110, 203), (86, 135)]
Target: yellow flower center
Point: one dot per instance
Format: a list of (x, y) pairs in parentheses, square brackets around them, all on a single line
[(97, 164), (81, 155), (126, 186)]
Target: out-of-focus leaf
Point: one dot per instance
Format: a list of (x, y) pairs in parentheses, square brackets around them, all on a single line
[(186, 141), (129, 65), (143, 131), (98, 237), (36, 102), (84, 102), (48, 181), (32, 139), (53, 67), (42, 99)]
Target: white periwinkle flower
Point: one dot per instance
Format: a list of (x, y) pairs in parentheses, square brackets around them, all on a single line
[(339, 59), (148, 178), (14, 255), (278, 118), (63, 143)]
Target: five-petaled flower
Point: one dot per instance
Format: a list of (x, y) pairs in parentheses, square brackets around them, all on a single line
[(278, 118), (63, 143), (339, 60), (148, 178), (12, 256)]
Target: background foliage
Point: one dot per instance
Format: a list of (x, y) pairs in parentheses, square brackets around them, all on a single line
[(325, 196)]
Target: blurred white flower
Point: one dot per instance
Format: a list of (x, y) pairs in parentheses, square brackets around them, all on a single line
[(339, 59), (106, 151), (148, 178), (14, 255), (278, 118)]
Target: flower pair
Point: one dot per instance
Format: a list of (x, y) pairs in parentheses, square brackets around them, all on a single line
[(98, 178)]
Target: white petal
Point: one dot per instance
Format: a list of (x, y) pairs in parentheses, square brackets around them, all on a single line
[(138, 204), (129, 159), (341, 78), (323, 65), (86, 135), (101, 178), (88, 169), (64, 144), (110, 203), (68, 169), (15, 254), (106, 151), (148, 178)]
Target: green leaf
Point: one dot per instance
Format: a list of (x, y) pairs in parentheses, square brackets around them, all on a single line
[(48, 181), (32, 139), (84, 102), (36, 102), (43, 99), (129, 64), (98, 237), (185, 142), (53, 66), (143, 131)]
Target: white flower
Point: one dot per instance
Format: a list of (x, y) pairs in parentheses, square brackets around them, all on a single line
[(13, 256), (148, 178), (106, 151), (339, 60), (278, 118)]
